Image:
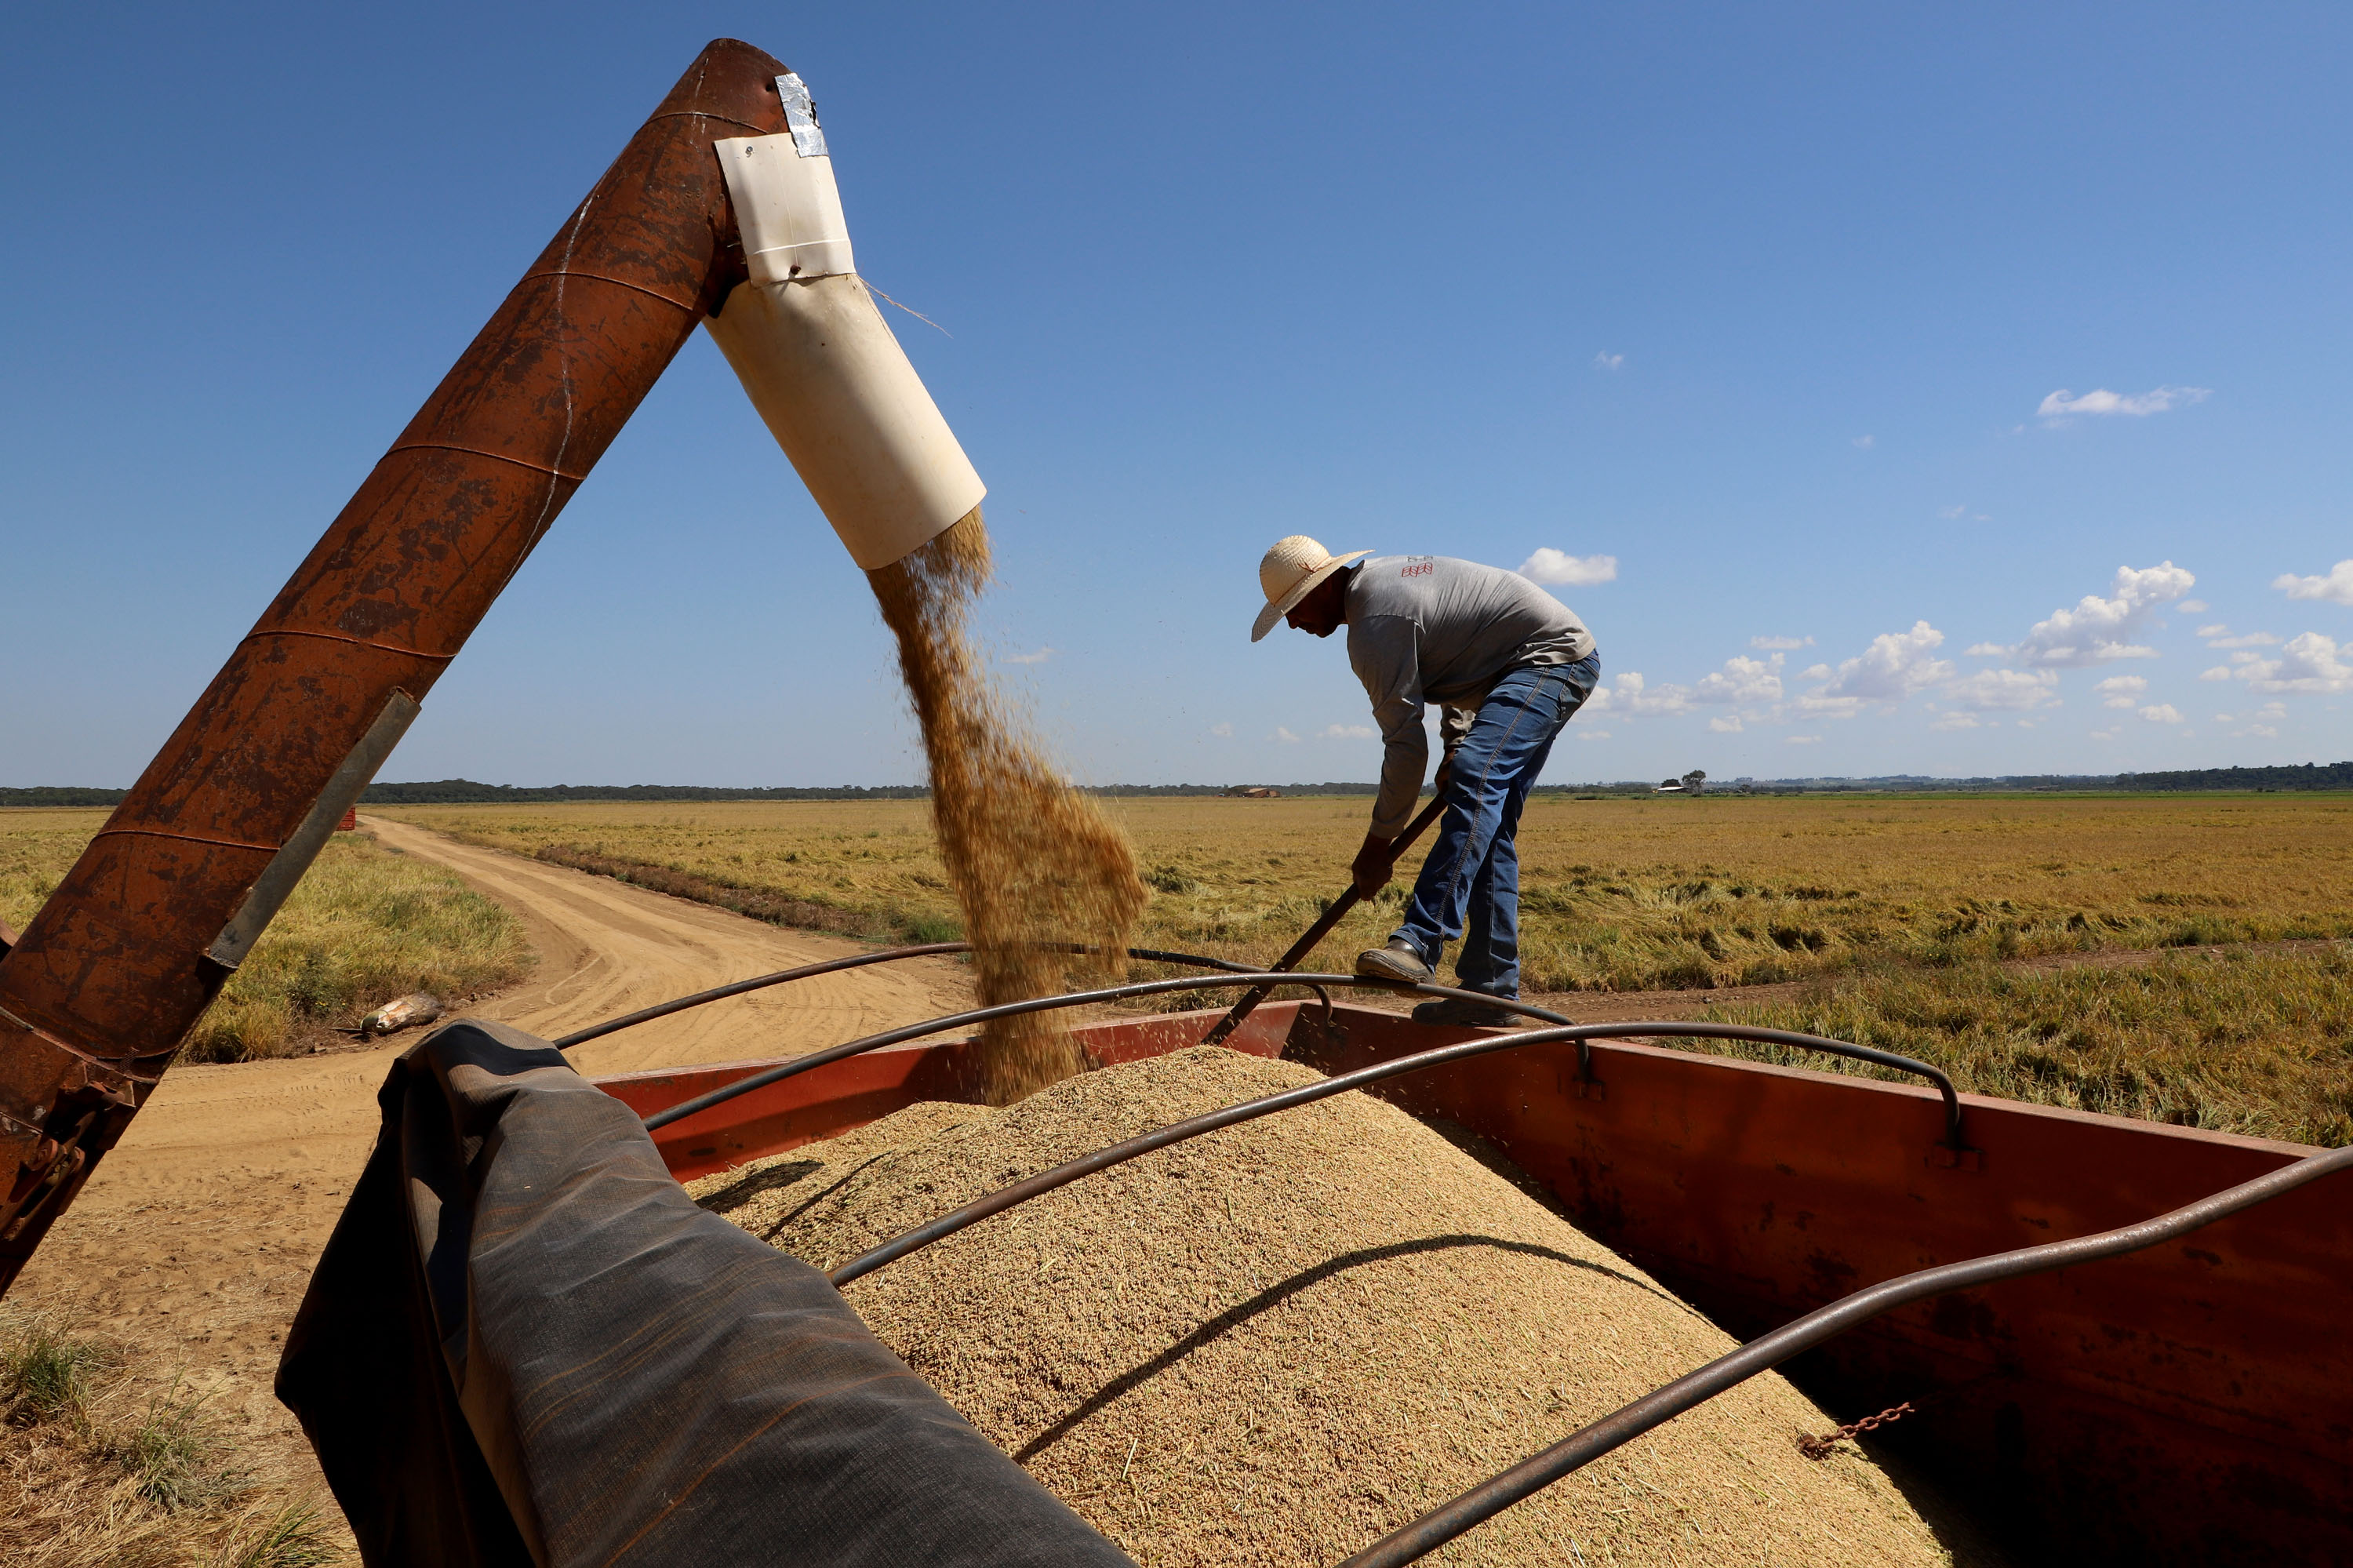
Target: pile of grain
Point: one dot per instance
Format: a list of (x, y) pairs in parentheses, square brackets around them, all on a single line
[(1031, 860), (1275, 1343)]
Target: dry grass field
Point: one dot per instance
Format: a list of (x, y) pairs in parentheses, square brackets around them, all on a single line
[(1905, 918), (1616, 894), (364, 926)]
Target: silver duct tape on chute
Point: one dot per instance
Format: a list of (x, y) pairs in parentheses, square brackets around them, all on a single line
[(821, 364)]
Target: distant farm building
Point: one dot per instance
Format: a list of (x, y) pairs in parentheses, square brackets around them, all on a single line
[(1255, 793)]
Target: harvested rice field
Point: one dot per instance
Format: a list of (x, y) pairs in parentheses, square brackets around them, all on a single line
[(1617, 894), (1274, 1343)]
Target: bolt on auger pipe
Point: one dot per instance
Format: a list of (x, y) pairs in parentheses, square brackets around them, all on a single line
[(163, 905), (1440, 1525)]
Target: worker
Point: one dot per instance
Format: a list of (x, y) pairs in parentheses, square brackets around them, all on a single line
[(1507, 664)]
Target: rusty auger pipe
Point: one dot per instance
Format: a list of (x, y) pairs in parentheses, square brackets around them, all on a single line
[(171, 893)]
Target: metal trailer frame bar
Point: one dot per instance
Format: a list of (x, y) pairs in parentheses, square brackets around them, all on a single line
[(1580, 1033), (1453, 1518), (1532, 1475)]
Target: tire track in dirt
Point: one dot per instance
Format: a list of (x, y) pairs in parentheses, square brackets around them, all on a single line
[(196, 1237)]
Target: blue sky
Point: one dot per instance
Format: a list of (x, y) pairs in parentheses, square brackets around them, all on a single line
[(1945, 390)]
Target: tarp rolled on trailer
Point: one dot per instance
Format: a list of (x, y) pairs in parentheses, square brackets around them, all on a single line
[(525, 1344)]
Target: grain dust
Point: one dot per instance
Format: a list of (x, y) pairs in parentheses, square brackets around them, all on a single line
[(1031, 860), (1277, 1342)]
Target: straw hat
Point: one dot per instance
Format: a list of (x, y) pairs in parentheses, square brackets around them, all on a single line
[(1289, 573)]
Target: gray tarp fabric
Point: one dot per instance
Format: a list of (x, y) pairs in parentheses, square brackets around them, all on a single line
[(525, 1344)]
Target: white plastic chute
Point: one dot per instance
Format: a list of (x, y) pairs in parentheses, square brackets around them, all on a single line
[(819, 360)]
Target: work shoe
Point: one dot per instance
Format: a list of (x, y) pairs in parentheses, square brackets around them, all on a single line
[(1398, 962), (1457, 1012)]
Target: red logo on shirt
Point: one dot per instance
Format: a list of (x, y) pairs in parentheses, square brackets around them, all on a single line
[(1420, 567)]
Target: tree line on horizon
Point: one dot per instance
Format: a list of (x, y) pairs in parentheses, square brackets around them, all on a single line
[(467, 792)]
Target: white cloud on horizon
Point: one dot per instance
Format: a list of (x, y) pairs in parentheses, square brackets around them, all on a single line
[(2246, 639), (2336, 587), (1742, 680), (1285, 736), (1725, 726), (1608, 361), (2310, 663), (1896, 665), (1780, 645), (1346, 731), (1801, 740), (2163, 712), (1223, 726), (2124, 691), (1553, 568), (1866, 442), (2096, 631), (2013, 691), (1039, 657), (2062, 404)]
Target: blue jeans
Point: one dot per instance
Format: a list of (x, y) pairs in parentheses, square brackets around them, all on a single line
[(1470, 883)]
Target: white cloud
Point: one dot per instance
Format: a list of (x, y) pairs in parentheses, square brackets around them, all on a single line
[(2060, 405), (1636, 696), (1988, 651), (1608, 361), (1725, 726), (2124, 691), (1771, 645), (1742, 680), (2163, 712), (2016, 691), (2195, 606), (1223, 726), (1039, 657), (1957, 721), (1285, 735), (1952, 513), (2218, 672), (1602, 700), (2246, 639), (1816, 672), (1550, 566), (1346, 731), (1590, 734), (1866, 442), (2217, 629), (2310, 663), (2096, 629), (1801, 740), (2263, 730), (1896, 665), (2336, 587)]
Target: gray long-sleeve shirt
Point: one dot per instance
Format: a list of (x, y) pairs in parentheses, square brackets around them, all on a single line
[(1429, 629)]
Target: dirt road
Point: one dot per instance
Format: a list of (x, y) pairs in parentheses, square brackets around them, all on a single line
[(197, 1235)]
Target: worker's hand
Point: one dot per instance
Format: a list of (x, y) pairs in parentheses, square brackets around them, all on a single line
[(1372, 866), (1445, 774)]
